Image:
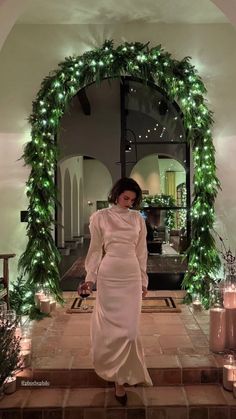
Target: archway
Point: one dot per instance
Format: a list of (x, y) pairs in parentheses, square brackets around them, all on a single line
[(182, 84)]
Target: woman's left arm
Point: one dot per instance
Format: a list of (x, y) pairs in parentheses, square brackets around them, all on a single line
[(141, 252)]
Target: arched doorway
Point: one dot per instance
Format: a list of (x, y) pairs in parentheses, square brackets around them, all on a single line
[(179, 81)]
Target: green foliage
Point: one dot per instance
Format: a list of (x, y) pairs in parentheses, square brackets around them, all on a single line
[(162, 200), (22, 299), (9, 351), (181, 82), (21, 296)]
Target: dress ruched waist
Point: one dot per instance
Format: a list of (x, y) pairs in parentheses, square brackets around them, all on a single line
[(121, 250)]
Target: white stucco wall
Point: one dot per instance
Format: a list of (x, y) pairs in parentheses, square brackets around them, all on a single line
[(32, 51)]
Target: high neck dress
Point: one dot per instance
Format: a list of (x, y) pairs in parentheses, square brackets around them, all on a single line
[(116, 261)]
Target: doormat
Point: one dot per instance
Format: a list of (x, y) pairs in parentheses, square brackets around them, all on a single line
[(149, 305)]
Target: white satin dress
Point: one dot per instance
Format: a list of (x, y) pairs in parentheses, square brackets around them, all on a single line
[(116, 261)]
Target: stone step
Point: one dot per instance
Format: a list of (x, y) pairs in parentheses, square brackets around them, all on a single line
[(176, 402), (86, 377)]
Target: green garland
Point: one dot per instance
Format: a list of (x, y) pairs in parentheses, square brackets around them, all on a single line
[(162, 200), (180, 81)]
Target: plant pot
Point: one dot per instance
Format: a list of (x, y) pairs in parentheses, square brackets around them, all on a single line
[(10, 385)]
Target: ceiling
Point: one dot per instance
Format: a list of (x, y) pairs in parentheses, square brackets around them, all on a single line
[(122, 11)]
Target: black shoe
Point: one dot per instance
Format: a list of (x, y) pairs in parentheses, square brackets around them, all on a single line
[(122, 399)]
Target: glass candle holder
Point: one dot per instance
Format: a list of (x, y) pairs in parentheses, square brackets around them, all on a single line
[(229, 372), (196, 302), (39, 294), (230, 292), (217, 331)]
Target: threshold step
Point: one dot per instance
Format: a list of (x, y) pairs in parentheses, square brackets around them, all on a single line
[(176, 402), (86, 377)]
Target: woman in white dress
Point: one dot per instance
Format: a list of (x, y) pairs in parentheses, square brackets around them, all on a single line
[(116, 262)]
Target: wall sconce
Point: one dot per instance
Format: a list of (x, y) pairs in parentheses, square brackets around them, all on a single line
[(90, 203)]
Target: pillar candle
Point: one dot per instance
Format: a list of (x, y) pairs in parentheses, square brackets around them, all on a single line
[(197, 305), (45, 306), (229, 372), (52, 305), (230, 298), (10, 385), (25, 358), (217, 329), (234, 389), (231, 328), (25, 344), (38, 296)]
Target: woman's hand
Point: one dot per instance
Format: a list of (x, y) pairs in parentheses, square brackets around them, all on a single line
[(86, 287), (144, 292)]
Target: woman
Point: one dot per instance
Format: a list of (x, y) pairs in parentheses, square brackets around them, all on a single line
[(116, 260)]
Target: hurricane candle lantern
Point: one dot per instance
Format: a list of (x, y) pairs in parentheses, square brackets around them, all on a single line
[(217, 335), (196, 302), (229, 371)]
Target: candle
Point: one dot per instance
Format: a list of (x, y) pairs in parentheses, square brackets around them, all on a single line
[(197, 305), (217, 329), (234, 389), (38, 296), (10, 385), (45, 306), (52, 305), (25, 358), (231, 328), (230, 298), (25, 344), (228, 376)]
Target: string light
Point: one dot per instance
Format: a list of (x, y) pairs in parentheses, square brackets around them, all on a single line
[(182, 83)]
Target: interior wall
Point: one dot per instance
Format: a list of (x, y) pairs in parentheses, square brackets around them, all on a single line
[(225, 205), (74, 167), (97, 185), (146, 173), (96, 135), (171, 165), (13, 175), (31, 52)]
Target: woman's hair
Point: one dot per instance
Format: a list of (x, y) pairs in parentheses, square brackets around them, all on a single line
[(125, 184)]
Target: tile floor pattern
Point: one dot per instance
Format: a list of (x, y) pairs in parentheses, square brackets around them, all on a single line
[(186, 375)]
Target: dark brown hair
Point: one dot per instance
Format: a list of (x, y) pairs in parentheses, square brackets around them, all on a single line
[(125, 184)]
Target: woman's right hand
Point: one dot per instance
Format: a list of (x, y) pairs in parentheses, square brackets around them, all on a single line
[(86, 287)]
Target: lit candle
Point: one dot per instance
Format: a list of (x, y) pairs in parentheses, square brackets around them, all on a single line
[(228, 377), (25, 344), (38, 296), (234, 388), (52, 305), (25, 358), (45, 306), (230, 297), (197, 305), (10, 385), (231, 328), (229, 372), (217, 329)]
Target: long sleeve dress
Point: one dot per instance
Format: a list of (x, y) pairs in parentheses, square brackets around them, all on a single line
[(116, 261)]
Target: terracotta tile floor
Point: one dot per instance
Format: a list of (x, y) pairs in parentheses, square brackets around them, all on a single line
[(186, 375), (62, 341)]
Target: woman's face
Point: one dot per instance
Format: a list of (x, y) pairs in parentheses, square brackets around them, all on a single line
[(126, 199)]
